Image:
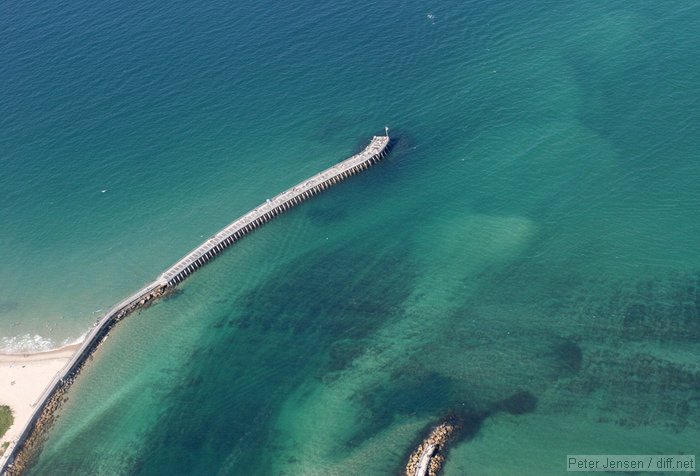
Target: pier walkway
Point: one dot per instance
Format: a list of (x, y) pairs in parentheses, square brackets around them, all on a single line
[(273, 207), (14, 459)]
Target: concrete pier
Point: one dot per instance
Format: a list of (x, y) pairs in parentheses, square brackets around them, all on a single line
[(15, 457)]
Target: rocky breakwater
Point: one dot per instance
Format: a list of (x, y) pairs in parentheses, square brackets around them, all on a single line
[(428, 457), (36, 430), (46, 418)]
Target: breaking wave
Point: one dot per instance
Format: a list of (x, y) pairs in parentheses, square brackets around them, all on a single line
[(29, 343)]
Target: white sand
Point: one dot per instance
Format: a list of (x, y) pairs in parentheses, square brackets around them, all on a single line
[(23, 378)]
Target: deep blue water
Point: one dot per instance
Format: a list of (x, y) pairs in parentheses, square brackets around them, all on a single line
[(534, 231)]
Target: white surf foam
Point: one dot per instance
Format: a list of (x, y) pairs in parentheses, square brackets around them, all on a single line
[(29, 343), (26, 343)]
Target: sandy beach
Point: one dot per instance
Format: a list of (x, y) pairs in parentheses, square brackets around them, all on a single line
[(23, 377)]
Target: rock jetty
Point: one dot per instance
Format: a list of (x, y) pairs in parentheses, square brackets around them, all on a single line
[(429, 456)]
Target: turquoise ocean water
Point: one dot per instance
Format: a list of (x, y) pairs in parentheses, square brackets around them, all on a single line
[(532, 238)]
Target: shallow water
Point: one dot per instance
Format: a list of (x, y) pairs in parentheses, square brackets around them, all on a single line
[(532, 233)]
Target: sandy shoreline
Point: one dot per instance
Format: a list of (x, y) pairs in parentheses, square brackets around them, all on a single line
[(23, 378)]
